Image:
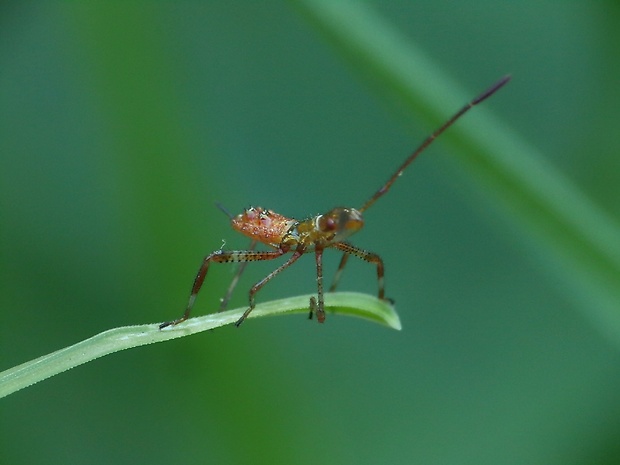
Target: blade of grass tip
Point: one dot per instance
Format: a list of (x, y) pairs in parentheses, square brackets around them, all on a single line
[(580, 239), (127, 337)]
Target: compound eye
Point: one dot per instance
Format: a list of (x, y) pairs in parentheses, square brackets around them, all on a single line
[(326, 223)]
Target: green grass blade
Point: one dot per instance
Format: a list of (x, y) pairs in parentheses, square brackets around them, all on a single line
[(127, 337), (575, 236)]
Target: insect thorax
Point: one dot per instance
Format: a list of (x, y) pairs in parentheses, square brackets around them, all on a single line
[(328, 228)]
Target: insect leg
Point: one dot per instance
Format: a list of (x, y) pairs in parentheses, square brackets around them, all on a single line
[(220, 256), (318, 307), (343, 262), (370, 257), (233, 283), (257, 287)]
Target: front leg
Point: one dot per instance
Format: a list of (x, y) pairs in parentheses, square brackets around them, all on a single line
[(370, 257)]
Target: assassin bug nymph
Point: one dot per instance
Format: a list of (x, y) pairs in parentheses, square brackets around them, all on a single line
[(329, 230)]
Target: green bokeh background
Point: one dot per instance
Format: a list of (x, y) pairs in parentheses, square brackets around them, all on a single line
[(121, 123)]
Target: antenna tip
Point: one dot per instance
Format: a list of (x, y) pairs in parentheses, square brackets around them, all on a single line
[(491, 90)]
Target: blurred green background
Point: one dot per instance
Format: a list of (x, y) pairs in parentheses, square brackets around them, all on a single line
[(121, 123)]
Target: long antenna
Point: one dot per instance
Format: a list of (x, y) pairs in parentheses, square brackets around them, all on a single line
[(386, 187)]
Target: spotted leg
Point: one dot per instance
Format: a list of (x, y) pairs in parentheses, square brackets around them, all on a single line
[(370, 257), (318, 307), (343, 262), (235, 280), (258, 286), (221, 256)]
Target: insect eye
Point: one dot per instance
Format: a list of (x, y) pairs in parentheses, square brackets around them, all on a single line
[(328, 224)]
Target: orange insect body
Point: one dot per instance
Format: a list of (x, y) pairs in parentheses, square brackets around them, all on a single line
[(265, 226), (328, 230), (280, 232)]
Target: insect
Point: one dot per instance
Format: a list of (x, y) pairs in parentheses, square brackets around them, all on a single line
[(328, 230)]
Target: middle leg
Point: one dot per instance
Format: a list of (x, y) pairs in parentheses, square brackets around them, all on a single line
[(318, 307), (220, 256), (258, 286)]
